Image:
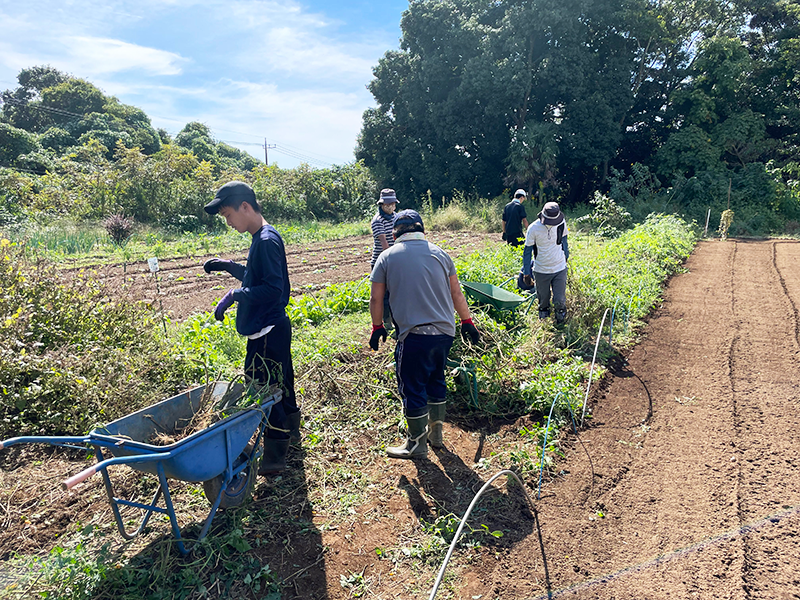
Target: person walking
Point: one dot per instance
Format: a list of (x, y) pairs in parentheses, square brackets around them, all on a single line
[(383, 239), (261, 314), (515, 219), (424, 292), (546, 243)]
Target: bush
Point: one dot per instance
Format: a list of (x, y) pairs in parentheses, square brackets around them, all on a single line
[(608, 219), (71, 357)]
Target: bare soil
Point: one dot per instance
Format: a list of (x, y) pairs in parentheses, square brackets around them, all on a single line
[(182, 288), (683, 484)]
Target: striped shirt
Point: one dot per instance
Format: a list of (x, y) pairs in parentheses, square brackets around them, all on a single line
[(380, 226)]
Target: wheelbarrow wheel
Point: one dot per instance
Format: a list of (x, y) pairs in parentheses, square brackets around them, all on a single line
[(239, 489)]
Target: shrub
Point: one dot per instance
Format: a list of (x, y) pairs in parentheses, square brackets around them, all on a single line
[(608, 219), (70, 356), (119, 229)]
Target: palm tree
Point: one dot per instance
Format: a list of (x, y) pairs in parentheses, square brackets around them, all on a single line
[(532, 156)]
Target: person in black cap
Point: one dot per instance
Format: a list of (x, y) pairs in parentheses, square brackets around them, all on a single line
[(515, 219), (423, 293), (546, 242), (261, 314), (383, 239)]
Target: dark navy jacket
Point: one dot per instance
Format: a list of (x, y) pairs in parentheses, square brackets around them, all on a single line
[(262, 299)]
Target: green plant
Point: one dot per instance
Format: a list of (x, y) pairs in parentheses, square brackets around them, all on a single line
[(725, 222), (608, 219), (70, 356)]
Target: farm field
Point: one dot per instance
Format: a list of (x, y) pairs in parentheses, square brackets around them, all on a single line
[(699, 499), (185, 288)]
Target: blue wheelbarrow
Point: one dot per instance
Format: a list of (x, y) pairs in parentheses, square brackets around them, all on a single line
[(223, 456)]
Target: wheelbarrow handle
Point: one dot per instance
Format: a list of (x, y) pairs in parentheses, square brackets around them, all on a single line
[(80, 477), (118, 460)]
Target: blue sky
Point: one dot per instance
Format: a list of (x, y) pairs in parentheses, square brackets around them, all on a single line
[(293, 72)]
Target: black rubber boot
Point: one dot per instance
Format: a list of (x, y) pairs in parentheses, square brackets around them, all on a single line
[(436, 412), (274, 460), (544, 313), (416, 444), (293, 422), (561, 316)]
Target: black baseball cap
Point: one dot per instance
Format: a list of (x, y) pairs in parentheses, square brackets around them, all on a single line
[(407, 217), (232, 193)]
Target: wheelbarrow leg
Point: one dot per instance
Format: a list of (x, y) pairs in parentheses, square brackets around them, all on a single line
[(115, 502)]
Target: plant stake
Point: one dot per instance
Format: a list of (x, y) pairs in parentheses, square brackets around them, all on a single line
[(153, 264)]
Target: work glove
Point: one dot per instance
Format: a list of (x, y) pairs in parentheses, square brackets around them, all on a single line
[(528, 280), (378, 332), (223, 305), (504, 236), (468, 329), (218, 264)]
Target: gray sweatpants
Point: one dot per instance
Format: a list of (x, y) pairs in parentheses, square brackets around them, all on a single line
[(558, 281)]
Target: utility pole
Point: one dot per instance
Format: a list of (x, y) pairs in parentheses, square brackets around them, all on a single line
[(266, 148)]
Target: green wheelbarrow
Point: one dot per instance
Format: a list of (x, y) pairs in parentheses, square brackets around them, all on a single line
[(495, 296)]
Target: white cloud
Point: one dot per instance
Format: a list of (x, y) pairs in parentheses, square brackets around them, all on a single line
[(96, 56), (321, 126), (266, 68)]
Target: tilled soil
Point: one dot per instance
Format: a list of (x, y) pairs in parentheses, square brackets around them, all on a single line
[(683, 484), (182, 288), (702, 499)]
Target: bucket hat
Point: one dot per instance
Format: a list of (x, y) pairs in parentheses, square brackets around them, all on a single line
[(387, 196), (551, 214)]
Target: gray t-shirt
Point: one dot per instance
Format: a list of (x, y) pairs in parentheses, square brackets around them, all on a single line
[(417, 275)]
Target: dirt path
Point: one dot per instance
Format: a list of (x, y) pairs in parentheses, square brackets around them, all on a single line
[(184, 288), (702, 499)]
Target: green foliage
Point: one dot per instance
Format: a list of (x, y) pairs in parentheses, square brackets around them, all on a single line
[(626, 273), (70, 356), (533, 156), (608, 219), (215, 349), (341, 193), (334, 302), (557, 96), (89, 568), (15, 142)]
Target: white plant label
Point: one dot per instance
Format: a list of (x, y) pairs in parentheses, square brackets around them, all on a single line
[(153, 264)]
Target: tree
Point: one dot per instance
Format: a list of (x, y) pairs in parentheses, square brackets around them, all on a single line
[(72, 99), (22, 106), (15, 142), (532, 157)]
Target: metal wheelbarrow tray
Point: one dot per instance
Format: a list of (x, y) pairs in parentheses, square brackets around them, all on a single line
[(223, 456), (494, 295)]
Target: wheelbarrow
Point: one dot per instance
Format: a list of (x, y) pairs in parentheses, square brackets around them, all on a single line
[(223, 456), (495, 296)]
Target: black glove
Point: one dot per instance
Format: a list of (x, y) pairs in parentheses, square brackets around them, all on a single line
[(528, 280), (504, 236), (468, 329), (218, 264), (378, 332)]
